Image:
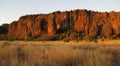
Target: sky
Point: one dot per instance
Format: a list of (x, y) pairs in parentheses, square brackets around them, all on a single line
[(11, 10)]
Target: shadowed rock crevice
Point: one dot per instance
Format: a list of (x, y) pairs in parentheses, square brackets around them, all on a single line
[(43, 25)]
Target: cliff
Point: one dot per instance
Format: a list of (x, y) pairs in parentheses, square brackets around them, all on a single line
[(77, 24)]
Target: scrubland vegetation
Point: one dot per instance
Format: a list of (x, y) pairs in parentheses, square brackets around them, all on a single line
[(58, 53)]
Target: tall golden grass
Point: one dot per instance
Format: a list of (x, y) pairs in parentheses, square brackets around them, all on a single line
[(58, 54)]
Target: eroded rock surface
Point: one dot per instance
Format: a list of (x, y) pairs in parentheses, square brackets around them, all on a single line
[(86, 23)]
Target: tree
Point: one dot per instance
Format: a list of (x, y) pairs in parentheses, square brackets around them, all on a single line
[(25, 32)]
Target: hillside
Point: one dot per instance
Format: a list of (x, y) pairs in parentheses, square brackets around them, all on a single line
[(67, 25)]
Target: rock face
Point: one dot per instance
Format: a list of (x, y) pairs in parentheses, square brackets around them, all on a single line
[(86, 23)]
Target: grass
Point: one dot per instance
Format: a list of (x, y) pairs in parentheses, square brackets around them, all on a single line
[(58, 53)]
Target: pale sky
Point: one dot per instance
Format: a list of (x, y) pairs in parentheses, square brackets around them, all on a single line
[(11, 10)]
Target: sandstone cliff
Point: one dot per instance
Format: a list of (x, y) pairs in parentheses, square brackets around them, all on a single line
[(81, 24)]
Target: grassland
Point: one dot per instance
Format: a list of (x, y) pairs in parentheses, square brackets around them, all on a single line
[(59, 53)]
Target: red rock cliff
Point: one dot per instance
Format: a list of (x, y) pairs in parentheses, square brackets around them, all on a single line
[(89, 23)]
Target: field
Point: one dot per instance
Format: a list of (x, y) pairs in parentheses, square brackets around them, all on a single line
[(59, 53)]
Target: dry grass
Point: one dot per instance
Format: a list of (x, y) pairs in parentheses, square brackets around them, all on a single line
[(58, 53)]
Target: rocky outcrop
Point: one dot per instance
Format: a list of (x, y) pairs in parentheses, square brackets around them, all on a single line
[(86, 23)]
